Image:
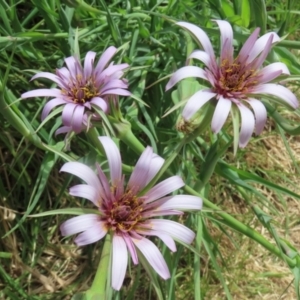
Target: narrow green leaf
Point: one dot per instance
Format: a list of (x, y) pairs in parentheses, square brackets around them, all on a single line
[(67, 211), (114, 30), (211, 159), (208, 243), (259, 14), (217, 6), (236, 124), (245, 12), (227, 8), (197, 259), (5, 19), (296, 272), (244, 176), (41, 182), (5, 255)]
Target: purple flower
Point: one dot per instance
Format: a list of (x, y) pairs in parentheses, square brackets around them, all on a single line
[(81, 88), (127, 213), (235, 81)]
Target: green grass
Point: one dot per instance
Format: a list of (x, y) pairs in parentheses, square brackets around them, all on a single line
[(36, 262)]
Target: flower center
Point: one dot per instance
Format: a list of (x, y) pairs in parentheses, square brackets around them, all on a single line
[(82, 91), (235, 78), (124, 214)]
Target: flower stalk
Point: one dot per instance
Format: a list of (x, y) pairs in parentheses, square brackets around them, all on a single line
[(99, 284), (124, 133)]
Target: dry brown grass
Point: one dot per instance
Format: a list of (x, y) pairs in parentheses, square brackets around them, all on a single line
[(251, 271)]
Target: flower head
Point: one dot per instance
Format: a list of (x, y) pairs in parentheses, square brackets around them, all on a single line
[(127, 213), (81, 88), (234, 80)]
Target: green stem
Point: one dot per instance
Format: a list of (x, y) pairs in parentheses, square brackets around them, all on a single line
[(124, 133), (93, 136), (99, 284), (135, 144)]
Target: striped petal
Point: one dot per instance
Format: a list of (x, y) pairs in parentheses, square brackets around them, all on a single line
[(83, 172), (200, 55), (247, 125), (49, 76), (226, 40), (112, 72), (105, 58), (50, 105), (77, 120), (63, 129), (201, 37), (64, 74), (195, 103), (91, 235), (119, 92), (79, 224), (248, 45), (67, 114), (156, 164), (260, 114), (74, 66), (89, 64), (262, 57), (138, 178), (185, 72), (42, 93), (180, 202), (163, 236), (161, 213), (154, 257), (119, 262), (113, 84), (174, 229), (101, 103), (220, 115), (272, 71), (260, 45), (87, 192), (114, 159), (105, 187), (165, 187), (277, 91), (131, 248)]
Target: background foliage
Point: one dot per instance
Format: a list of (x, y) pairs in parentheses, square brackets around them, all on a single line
[(258, 186)]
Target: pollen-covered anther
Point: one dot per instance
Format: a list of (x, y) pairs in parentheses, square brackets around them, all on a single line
[(234, 78), (82, 94), (125, 213)]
